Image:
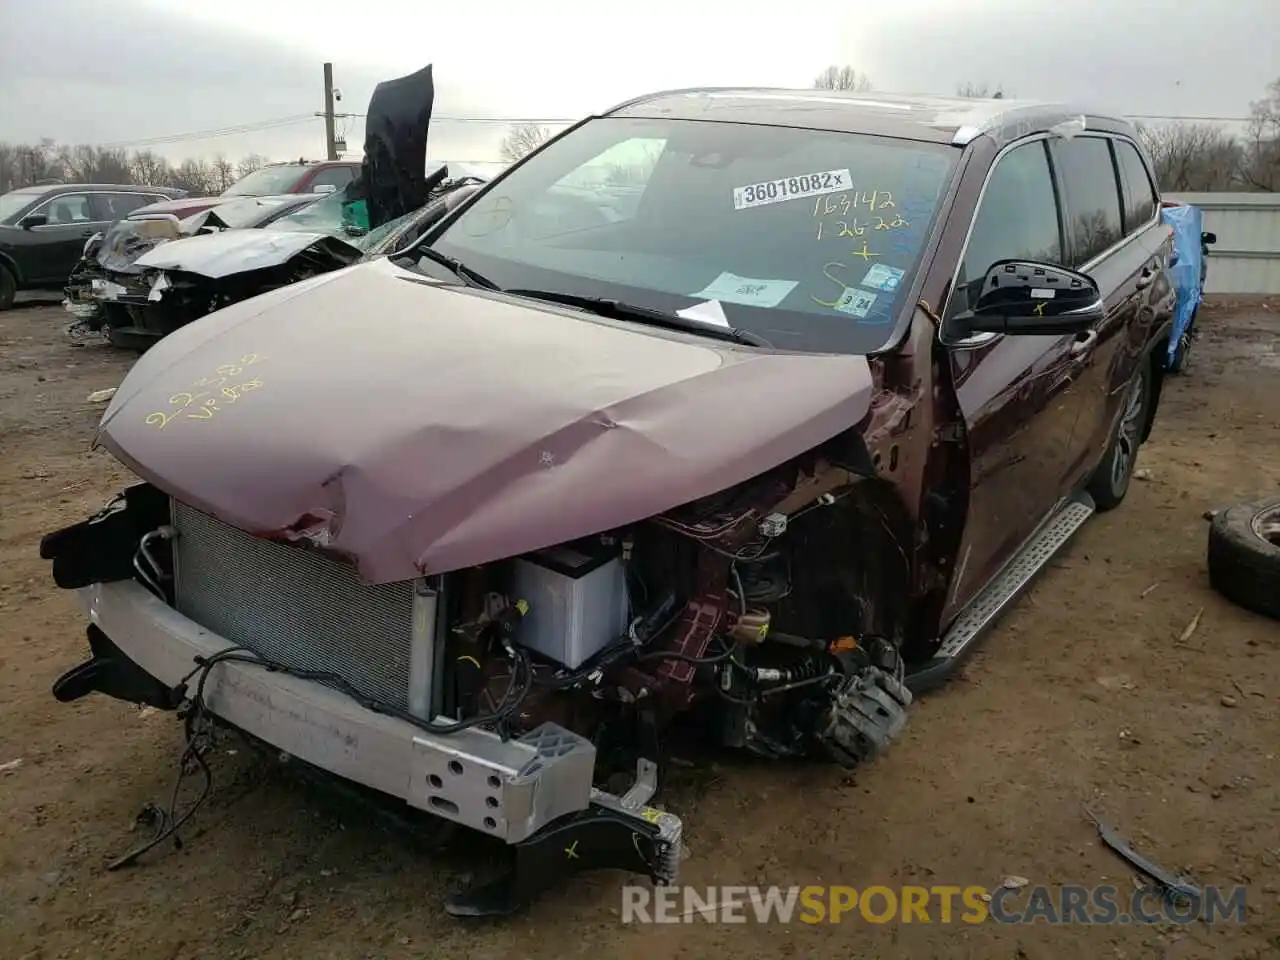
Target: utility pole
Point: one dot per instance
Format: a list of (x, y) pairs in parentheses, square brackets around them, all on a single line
[(330, 143)]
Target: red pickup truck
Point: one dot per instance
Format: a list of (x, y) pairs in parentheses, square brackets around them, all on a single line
[(297, 176)]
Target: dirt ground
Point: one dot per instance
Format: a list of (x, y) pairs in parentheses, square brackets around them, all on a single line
[(1083, 693)]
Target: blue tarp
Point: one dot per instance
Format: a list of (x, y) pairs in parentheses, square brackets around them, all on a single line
[(1187, 222)]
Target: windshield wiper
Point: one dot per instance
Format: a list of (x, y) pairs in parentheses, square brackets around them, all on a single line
[(459, 269), (620, 310)]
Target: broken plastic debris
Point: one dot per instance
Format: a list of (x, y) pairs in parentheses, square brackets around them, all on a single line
[(1014, 882), (102, 396), (158, 287), (10, 765)]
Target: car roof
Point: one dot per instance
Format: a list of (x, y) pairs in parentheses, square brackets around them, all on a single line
[(55, 188), (954, 120)]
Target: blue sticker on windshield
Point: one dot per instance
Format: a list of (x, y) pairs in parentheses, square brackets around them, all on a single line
[(881, 276)]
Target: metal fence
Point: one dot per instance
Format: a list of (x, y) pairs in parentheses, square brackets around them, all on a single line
[(1246, 258)]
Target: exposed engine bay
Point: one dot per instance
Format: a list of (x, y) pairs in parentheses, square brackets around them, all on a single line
[(731, 608)]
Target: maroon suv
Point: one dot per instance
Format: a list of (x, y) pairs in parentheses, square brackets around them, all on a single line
[(733, 415)]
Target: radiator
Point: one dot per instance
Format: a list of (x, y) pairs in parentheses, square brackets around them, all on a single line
[(294, 605)]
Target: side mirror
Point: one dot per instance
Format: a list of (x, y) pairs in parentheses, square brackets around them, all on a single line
[(1026, 297), (33, 221), (1207, 238)]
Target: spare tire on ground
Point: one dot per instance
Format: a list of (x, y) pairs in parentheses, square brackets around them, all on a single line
[(1244, 555)]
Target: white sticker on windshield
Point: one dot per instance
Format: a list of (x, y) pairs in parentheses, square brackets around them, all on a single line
[(791, 188), (855, 302), (731, 288), (709, 311), (881, 276)]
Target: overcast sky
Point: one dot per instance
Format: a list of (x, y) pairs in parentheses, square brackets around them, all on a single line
[(122, 71)]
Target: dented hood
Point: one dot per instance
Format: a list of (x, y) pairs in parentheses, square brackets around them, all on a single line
[(220, 254), (419, 427)]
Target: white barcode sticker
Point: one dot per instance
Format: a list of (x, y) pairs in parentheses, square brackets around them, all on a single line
[(791, 188)]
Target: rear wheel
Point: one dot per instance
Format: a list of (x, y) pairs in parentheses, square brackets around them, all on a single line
[(1111, 481), (8, 289)]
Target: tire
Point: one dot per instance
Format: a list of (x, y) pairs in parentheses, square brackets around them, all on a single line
[(8, 289), (1244, 555), (1110, 482)]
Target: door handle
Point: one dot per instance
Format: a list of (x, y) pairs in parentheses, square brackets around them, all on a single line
[(1145, 278), (1084, 343)]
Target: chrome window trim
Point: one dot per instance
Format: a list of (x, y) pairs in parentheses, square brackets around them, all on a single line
[(159, 198)]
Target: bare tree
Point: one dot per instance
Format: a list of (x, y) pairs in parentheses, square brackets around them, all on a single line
[(522, 138), (842, 78), (1260, 162), (247, 165), (194, 176), (976, 91), (1192, 156), (150, 169), (222, 173)]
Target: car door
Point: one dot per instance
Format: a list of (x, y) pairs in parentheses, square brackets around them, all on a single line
[(1105, 241), (1016, 393), (69, 222)]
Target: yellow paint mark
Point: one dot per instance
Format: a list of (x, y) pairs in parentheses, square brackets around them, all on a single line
[(201, 402), (470, 659), (571, 851), (650, 815), (826, 272)]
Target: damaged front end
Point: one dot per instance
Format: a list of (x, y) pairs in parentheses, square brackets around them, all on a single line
[(500, 599), (105, 280), (207, 273)]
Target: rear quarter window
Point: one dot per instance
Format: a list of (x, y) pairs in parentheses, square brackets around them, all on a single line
[(1092, 196), (1139, 195)]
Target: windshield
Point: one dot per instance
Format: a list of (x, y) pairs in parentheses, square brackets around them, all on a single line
[(12, 202), (248, 212), (337, 215), (807, 238), (278, 178)]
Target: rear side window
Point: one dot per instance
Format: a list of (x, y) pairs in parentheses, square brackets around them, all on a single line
[(1139, 196), (336, 177), (117, 206), (1017, 220), (1092, 196)]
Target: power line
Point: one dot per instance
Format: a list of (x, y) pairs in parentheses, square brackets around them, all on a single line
[(436, 118), (212, 133), (274, 123)]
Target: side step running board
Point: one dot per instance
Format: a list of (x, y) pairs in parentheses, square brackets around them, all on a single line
[(1000, 592)]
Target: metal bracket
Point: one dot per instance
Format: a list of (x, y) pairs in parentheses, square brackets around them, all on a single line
[(605, 836)]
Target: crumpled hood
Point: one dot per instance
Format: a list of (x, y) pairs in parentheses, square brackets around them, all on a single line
[(418, 427), (221, 254)]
